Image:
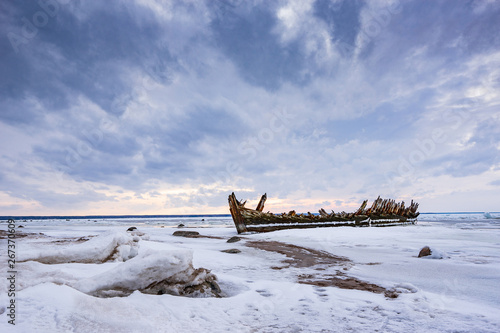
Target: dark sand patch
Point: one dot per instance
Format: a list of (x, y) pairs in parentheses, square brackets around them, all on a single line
[(39, 235), (300, 257), (232, 251), (4, 234), (346, 282), (74, 240), (193, 234)]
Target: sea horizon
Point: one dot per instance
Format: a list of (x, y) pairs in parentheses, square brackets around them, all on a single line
[(47, 217)]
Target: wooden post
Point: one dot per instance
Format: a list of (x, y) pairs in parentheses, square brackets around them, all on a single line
[(235, 213), (260, 206)]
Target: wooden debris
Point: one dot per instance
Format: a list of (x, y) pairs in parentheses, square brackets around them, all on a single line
[(382, 212), (260, 206)]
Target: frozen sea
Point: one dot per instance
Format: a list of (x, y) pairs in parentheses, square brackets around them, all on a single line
[(474, 219), (457, 289)]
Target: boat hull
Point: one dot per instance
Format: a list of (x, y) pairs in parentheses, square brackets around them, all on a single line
[(383, 213)]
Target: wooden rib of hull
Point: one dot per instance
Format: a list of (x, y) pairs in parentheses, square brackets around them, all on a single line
[(382, 213)]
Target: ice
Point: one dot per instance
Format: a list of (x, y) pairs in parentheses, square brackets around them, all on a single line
[(150, 270), (488, 215), (260, 292), (157, 272), (113, 245)]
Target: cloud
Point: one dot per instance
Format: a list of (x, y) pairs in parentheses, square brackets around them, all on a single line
[(247, 38), (166, 107)]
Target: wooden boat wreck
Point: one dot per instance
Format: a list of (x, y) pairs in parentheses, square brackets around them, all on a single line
[(382, 213)]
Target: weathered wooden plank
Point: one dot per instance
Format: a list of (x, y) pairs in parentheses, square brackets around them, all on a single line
[(260, 206), (383, 212)]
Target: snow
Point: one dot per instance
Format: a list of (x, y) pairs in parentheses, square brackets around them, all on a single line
[(172, 271), (113, 245), (137, 273), (65, 285)]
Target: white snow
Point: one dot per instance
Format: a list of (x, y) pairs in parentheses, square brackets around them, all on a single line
[(458, 293), (138, 273), (113, 245)]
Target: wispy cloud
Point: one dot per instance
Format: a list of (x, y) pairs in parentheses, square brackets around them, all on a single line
[(146, 107)]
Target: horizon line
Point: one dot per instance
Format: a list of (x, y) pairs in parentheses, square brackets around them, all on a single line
[(7, 217)]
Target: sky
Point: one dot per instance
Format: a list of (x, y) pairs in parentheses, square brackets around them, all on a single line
[(166, 107)]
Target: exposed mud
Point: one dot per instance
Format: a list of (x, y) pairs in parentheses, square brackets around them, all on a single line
[(39, 235), (73, 240), (322, 262), (4, 234), (192, 234), (346, 282), (300, 256)]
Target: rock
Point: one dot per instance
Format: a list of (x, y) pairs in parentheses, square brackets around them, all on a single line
[(182, 233), (20, 226), (234, 239), (231, 251), (190, 282), (391, 293), (426, 251), (131, 229), (181, 226)]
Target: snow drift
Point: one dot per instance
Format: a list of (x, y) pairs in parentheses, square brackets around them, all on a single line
[(149, 270), (153, 272), (111, 246)]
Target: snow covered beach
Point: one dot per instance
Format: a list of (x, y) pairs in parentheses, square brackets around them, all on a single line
[(315, 280)]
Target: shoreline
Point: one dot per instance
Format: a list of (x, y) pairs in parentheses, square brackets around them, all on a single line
[(308, 279)]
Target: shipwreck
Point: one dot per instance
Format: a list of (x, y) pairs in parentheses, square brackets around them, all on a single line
[(382, 213)]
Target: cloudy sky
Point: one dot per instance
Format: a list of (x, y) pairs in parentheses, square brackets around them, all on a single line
[(166, 107)]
